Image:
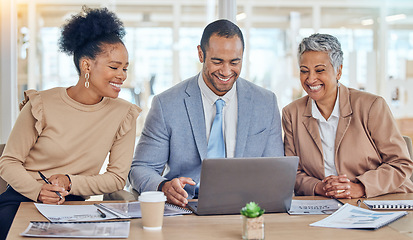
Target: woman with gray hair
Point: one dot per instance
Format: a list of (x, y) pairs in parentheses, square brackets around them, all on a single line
[(347, 140)]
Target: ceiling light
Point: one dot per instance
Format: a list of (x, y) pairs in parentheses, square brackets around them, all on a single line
[(367, 22), (397, 17), (241, 16)]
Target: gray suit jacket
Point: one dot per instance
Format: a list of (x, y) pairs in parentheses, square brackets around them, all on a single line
[(174, 133)]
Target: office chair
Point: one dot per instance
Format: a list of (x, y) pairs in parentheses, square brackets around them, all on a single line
[(3, 184), (122, 194), (408, 141), (119, 195)]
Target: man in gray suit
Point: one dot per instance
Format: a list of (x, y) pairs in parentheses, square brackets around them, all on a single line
[(178, 125)]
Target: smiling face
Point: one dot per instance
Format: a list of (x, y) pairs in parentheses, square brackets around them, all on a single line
[(318, 78), (222, 63), (108, 71)]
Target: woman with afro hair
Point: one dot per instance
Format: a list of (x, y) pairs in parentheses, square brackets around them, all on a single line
[(66, 133)]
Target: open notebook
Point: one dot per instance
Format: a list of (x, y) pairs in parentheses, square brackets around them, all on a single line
[(84, 213), (133, 209)]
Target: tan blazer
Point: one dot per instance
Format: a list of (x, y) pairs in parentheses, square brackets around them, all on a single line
[(368, 148)]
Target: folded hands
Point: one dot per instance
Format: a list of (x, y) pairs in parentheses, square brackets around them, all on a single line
[(339, 187)]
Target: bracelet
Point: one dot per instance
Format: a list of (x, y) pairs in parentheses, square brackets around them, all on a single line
[(70, 182)]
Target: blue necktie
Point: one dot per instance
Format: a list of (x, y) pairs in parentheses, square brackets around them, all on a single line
[(216, 144)]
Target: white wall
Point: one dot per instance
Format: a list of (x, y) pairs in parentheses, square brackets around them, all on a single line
[(8, 68)]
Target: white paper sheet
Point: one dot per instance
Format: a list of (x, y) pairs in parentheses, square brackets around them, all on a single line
[(72, 213), (353, 217), (314, 206)]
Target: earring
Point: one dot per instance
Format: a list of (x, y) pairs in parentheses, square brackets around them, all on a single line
[(86, 80)]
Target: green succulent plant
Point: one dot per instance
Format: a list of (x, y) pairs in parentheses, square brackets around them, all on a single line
[(252, 210)]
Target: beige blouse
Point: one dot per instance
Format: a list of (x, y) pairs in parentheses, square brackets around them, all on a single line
[(57, 135)]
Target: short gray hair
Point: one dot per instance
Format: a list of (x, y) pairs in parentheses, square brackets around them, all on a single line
[(323, 43)]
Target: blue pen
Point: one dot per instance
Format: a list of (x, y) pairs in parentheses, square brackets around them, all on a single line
[(46, 181)]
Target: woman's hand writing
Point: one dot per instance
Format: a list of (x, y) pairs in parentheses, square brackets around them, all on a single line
[(58, 183)]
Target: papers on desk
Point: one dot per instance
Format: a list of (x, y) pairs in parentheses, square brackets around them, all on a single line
[(86, 213), (133, 209), (353, 217), (72, 213), (115, 229), (314, 206)]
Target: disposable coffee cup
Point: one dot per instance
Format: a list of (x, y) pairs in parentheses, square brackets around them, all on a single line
[(152, 208)]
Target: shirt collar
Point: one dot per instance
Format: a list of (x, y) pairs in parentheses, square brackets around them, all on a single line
[(317, 114), (211, 97)]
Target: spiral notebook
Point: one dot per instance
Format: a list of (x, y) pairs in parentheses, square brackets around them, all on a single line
[(389, 204), (113, 229), (352, 217), (133, 209)]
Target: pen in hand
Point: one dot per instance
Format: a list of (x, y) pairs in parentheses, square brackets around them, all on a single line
[(102, 214), (46, 181)]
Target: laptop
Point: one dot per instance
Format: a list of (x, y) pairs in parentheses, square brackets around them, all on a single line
[(227, 184)]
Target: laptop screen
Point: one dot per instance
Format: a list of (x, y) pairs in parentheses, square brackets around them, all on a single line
[(227, 184)]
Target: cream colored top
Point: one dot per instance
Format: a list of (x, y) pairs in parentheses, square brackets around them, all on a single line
[(57, 135)]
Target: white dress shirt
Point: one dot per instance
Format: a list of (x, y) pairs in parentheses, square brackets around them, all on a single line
[(230, 112), (328, 129)]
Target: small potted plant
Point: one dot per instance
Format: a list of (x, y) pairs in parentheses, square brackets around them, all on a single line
[(252, 221)]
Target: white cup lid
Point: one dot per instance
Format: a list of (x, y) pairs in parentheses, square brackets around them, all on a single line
[(152, 196)]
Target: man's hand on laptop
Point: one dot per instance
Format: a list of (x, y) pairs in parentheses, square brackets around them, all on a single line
[(174, 190)]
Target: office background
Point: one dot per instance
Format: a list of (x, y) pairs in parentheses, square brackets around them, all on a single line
[(162, 35)]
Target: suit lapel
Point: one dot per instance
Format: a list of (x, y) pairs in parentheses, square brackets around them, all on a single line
[(195, 109), (345, 117), (245, 105), (311, 125)]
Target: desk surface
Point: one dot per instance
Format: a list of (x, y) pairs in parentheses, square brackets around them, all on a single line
[(277, 226)]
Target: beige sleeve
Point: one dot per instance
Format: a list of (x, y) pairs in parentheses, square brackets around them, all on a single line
[(396, 165), (22, 138)]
